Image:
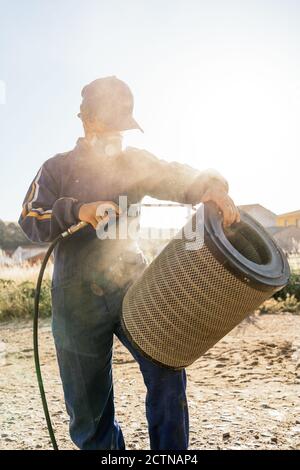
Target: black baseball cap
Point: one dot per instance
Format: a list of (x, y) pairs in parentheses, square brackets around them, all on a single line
[(109, 100)]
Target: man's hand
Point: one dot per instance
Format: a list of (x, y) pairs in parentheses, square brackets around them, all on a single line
[(217, 193), (97, 212)]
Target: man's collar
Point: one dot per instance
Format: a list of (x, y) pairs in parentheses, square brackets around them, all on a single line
[(83, 149)]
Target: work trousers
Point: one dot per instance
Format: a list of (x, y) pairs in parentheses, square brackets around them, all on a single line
[(84, 322)]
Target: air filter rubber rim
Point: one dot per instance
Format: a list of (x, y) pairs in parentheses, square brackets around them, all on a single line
[(274, 274)]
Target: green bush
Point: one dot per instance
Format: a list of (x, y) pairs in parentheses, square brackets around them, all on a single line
[(17, 300), (292, 289)]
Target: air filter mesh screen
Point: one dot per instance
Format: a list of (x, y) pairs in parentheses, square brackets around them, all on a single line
[(185, 302)]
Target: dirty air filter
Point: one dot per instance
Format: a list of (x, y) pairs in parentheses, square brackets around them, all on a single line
[(200, 287)]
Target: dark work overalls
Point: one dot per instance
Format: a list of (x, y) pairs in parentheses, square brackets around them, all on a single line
[(89, 282)]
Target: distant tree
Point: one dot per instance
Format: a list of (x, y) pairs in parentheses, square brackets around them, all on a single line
[(2, 230), (11, 236)]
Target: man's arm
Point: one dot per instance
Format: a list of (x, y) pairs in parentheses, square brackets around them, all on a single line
[(181, 183), (45, 215)]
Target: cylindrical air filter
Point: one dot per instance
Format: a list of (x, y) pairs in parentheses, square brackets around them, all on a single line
[(205, 281)]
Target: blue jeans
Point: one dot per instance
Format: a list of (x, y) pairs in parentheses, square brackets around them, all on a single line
[(83, 324)]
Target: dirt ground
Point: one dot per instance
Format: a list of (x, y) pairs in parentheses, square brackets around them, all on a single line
[(243, 394)]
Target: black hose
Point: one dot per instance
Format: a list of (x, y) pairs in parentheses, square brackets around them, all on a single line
[(35, 340)]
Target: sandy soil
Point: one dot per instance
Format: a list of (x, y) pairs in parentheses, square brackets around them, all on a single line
[(243, 394)]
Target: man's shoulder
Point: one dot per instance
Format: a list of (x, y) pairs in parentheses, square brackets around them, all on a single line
[(58, 158), (57, 161)]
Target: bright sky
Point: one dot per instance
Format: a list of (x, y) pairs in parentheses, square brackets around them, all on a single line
[(216, 84)]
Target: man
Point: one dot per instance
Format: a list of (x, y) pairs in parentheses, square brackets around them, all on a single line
[(91, 275)]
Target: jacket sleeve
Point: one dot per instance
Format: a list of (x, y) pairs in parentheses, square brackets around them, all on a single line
[(45, 215), (171, 181)]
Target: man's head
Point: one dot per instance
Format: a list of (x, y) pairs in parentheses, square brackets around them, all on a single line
[(107, 106)]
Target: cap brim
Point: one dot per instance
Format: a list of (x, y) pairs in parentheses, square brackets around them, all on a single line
[(130, 123)]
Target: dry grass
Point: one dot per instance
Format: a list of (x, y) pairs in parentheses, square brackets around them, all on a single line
[(290, 304), (24, 272), (17, 290)]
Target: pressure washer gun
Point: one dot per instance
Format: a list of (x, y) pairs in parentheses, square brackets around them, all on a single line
[(73, 229), (76, 227)]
